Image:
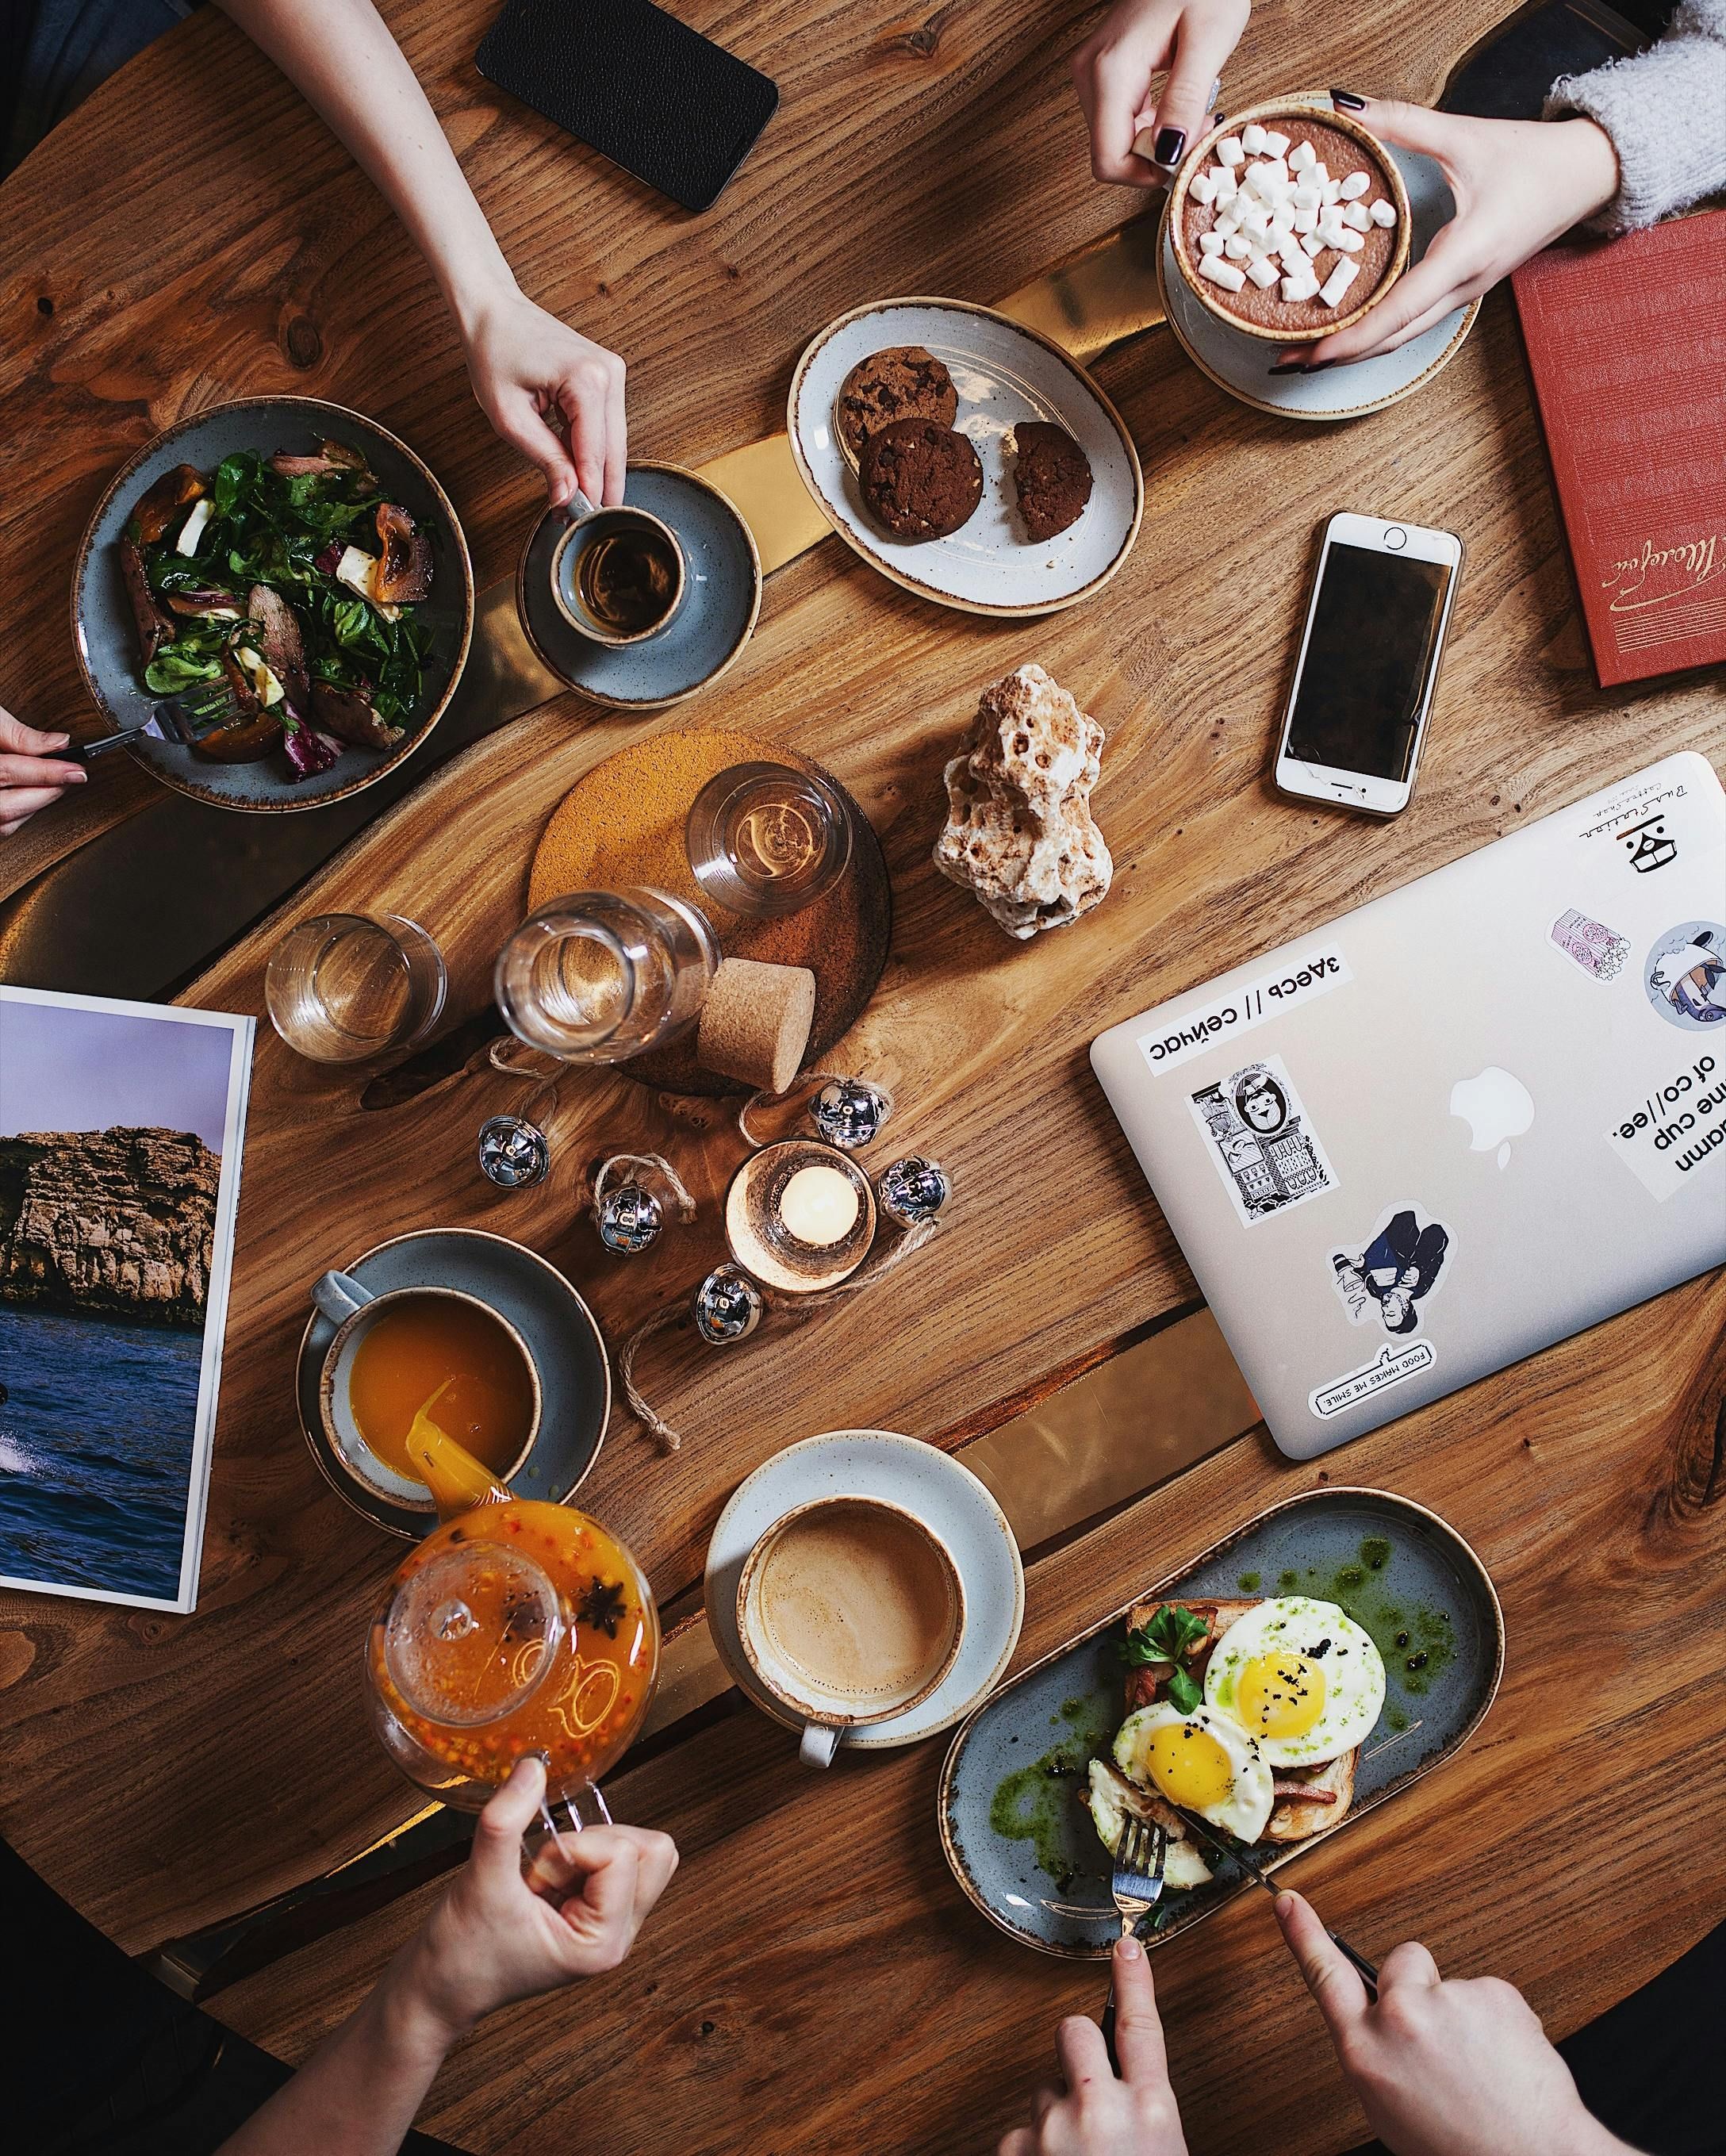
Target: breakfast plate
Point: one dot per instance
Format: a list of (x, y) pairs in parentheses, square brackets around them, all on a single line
[(106, 636), (561, 1333), (946, 1497), (1004, 374), (1022, 1846), (1240, 363)]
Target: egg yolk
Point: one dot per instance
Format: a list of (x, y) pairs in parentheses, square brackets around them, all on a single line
[(1189, 1766), (1280, 1694)]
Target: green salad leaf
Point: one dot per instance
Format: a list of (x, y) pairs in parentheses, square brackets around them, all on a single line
[(1170, 1632)]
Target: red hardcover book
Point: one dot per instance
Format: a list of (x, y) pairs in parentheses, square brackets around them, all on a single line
[(1626, 342)]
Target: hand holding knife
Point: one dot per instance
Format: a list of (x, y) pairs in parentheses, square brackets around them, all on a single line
[(1368, 1973)]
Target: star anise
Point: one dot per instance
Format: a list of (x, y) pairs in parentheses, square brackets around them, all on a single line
[(602, 1606)]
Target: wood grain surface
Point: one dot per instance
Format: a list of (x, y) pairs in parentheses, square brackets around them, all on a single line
[(815, 1980)]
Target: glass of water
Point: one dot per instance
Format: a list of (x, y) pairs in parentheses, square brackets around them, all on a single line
[(602, 975), (763, 838), (346, 988)]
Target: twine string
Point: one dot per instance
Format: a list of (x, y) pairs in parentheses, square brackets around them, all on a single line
[(637, 1164), (809, 1084)]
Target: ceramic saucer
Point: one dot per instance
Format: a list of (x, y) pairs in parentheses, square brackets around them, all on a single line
[(1241, 364), (1004, 372), (567, 1348), (946, 1497), (720, 599)]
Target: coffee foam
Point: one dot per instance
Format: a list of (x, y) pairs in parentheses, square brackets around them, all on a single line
[(857, 1603)]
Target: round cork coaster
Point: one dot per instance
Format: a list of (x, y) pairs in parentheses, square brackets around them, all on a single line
[(622, 825)]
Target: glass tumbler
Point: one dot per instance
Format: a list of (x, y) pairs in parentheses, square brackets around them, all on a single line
[(345, 989), (764, 838), (603, 975)]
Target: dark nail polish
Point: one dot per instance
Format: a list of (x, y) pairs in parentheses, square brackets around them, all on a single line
[(1169, 145), (1317, 366), (1348, 100), (1289, 366)]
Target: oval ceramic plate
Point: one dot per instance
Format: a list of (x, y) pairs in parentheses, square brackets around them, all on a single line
[(106, 638), (1019, 1762), (720, 599), (1241, 364), (1003, 373), (946, 1497), (567, 1348)]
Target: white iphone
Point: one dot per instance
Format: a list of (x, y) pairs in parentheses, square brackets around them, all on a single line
[(1368, 664)]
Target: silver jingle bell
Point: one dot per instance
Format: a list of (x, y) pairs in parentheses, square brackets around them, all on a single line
[(629, 1218), (727, 1307), (513, 1152), (850, 1112), (913, 1190)]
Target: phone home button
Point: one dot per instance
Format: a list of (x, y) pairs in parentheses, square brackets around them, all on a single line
[(1396, 538)]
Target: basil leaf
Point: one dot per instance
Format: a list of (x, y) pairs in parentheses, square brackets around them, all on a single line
[(1184, 1694)]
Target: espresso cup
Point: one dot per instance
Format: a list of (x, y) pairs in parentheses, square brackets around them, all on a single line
[(353, 1310), (618, 574), (850, 1611)]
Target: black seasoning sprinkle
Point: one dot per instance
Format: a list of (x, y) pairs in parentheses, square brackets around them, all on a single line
[(1417, 1661), (1402, 1639)]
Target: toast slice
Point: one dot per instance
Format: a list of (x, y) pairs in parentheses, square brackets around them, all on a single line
[(1149, 1682)]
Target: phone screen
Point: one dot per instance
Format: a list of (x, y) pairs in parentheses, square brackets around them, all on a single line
[(1369, 653)]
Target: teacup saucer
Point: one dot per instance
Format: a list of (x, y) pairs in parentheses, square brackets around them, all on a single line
[(720, 599), (560, 1330), (946, 1497), (1241, 364)]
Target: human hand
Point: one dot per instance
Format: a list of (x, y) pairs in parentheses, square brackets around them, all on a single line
[(1456, 2067), (1101, 2115), (1518, 185), (1112, 71), (27, 781), (551, 392), (492, 1938)]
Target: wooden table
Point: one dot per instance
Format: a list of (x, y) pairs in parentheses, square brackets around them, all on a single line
[(814, 1980)]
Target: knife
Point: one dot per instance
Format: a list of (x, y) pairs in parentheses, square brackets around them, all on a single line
[(1369, 1974)]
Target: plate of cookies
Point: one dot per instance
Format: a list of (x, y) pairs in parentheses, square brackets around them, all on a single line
[(968, 458)]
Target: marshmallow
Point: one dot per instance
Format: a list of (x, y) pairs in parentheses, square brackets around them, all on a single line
[(1355, 186), (1283, 219), (1306, 220), (1311, 244), (1383, 213), (1252, 138), (1302, 157), (1306, 197), (1256, 224), (1357, 217), (1296, 289), (1210, 243), (1222, 273), (1338, 281), (1331, 230), (1265, 182), (1229, 151), (1263, 272), (1203, 189), (1293, 261), (1319, 173), (1350, 242), (1227, 225), (1236, 248), (1274, 143), (1331, 191)]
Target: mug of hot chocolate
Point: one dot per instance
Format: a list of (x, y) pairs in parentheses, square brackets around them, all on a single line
[(1290, 221)]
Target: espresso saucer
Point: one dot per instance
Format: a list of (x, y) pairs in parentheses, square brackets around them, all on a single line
[(946, 1497), (566, 1345), (1241, 364), (721, 598)]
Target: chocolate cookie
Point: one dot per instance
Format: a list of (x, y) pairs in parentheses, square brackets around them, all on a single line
[(903, 383), (921, 480), (1052, 475)]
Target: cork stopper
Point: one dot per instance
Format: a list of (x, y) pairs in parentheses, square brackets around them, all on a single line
[(755, 1024)]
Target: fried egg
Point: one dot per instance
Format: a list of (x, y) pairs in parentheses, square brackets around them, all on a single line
[(1202, 1760), (1112, 1800), (1300, 1676)]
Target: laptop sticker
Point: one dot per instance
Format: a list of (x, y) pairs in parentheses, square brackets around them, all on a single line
[(1262, 1140), (1387, 1278), (1389, 1367), (1635, 816), (1600, 951), (1297, 982), (1685, 976), (1668, 1135)]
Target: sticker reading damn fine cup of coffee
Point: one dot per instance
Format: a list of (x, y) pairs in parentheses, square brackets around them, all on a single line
[(1262, 1140)]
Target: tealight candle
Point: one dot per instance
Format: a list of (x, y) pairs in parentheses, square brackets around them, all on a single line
[(818, 1204)]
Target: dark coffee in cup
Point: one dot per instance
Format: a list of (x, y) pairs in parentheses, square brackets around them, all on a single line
[(618, 574)]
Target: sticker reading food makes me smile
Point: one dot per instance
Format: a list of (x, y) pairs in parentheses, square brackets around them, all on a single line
[(1389, 1367)]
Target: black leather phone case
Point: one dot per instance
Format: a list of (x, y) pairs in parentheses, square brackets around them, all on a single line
[(636, 84)]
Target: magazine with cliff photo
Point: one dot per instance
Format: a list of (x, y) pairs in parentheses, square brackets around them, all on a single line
[(120, 1127)]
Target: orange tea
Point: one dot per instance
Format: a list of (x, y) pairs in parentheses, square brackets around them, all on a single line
[(427, 1345)]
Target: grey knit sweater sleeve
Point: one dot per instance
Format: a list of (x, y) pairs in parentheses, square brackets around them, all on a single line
[(1665, 113)]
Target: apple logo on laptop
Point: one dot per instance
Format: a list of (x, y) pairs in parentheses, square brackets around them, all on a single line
[(1496, 1107)]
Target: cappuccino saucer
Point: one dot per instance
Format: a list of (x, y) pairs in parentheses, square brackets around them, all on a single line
[(946, 1497), (721, 598)]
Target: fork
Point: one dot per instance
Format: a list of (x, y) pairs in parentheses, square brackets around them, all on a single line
[(186, 719), (1140, 1855)]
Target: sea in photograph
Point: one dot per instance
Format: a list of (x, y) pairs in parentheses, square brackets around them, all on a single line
[(96, 1439)]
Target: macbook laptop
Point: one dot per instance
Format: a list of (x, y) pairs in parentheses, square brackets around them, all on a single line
[(1467, 1120)]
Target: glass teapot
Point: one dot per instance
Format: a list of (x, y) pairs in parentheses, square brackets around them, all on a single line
[(515, 1626)]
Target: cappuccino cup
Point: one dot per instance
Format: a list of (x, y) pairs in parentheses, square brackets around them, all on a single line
[(851, 1610)]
